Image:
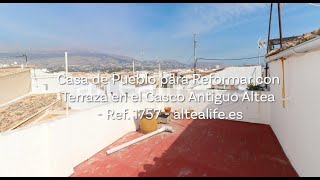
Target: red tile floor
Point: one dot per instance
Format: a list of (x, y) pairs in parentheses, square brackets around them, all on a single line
[(195, 148)]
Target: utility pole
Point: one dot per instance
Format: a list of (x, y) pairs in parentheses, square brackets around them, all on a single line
[(142, 55), (259, 56), (268, 45), (66, 66), (159, 77), (194, 53), (270, 18), (25, 55), (261, 44), (142, 58), (280, 28)]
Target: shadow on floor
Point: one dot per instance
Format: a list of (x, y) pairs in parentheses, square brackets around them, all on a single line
[(195, 148), (221, 148)]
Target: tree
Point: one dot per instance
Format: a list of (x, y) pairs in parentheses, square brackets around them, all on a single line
[(252, 87)]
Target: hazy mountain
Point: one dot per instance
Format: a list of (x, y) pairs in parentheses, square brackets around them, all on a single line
[(89, 61)]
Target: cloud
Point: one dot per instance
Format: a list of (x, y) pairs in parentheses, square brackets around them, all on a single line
[(203, 18), (128, 28)]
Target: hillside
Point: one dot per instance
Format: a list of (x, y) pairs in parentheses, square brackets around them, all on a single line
[(89, 61)]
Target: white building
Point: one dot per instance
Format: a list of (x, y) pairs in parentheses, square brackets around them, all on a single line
[(254, 72), (43, 82), (293, 117), (55, 147)]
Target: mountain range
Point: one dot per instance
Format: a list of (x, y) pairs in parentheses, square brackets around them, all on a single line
[(93, 61)]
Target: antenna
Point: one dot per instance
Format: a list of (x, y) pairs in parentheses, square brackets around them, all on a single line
[(261, 43), (282, 5), (194, 53)]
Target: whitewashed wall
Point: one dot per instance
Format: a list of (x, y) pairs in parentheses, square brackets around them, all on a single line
[(25, 152), (14, 85), (91, 131), (254, 112), (42, 80), (297, 126), (237, 71), (53, 148), (39, 82)]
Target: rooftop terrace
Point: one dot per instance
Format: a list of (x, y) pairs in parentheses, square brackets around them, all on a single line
[(296, 41), (23, 111), (195, 148), (11, 70)]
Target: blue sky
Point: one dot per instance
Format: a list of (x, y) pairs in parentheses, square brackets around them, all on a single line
[(162, 31)]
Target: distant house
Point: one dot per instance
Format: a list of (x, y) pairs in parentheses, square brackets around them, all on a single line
[(15, 82), (248, 71)]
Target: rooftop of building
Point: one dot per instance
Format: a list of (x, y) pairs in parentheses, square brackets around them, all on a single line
[(26, 110), (12, 70), (195, 148), (296, 41)]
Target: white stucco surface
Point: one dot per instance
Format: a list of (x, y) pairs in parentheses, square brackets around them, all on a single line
[(53, 148), (297, 125)]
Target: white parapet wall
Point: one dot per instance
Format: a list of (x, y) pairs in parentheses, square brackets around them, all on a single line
[(55, 147), (297, 126), (15, 85), (254, 112), (25, 152)]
